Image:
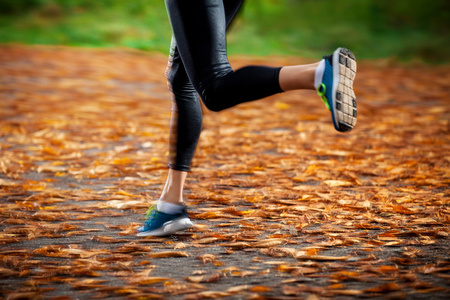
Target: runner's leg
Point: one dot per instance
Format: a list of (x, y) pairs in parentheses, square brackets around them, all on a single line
[(186, 119)]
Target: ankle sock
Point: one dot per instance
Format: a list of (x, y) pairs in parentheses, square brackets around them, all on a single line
[(319, 74), (169, 208)]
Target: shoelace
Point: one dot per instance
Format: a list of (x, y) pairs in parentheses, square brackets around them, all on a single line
[(321, 90)]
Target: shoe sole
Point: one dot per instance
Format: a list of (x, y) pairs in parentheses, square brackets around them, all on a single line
[(169, 227), (344, 108)]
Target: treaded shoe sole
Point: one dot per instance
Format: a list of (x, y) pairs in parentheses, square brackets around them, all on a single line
[(169, 227), (343, 106)]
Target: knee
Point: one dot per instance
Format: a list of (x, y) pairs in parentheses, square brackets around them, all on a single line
[(176, 77), (212, 98), (212, 105), (179, 84)]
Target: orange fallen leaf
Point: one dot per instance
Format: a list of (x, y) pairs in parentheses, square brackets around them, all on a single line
[(345, 292), (267, 243), (123, 193), (260, 289), (238, 288), (107, 239), (207, 257), (336, 183), (403, 210), (236, 245), (88, 284), (169, 254), (121, 161), (204, 279), (148, 280), (207, 240), (384, 288), (322, 257)]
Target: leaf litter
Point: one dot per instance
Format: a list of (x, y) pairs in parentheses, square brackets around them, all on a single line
[(284, 206)]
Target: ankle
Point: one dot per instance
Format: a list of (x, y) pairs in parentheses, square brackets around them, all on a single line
[(172, 198), (169, 208), (319, 74), (173, 189)]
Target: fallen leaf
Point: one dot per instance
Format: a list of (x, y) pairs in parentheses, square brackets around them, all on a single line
[(384, 288), (336, 183), (169, 254), (203, 278), (260, 289)]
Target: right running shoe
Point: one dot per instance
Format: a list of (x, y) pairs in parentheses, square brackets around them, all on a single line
[(336, 88), (161, 224)]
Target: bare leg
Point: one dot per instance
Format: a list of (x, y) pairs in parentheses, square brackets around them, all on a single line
[(297, 77), (173, 190)]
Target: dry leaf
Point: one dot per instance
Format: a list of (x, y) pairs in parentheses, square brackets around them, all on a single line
[(266, 243), (169, 254), (236, 245), (384, 288), (203, 278), (107, 239), (334, 183), (322, 257)]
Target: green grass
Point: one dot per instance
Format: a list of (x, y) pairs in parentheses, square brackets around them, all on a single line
[(403, 29), (113, 26)]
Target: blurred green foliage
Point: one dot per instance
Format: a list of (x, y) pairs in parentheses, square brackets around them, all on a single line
[(404, 29)]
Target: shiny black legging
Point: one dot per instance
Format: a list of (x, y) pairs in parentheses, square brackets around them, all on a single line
[(198, 65)]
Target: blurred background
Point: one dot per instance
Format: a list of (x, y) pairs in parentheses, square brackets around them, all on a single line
[(401, 29)]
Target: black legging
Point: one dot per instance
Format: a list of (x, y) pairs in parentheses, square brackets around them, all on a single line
[(198, 64)]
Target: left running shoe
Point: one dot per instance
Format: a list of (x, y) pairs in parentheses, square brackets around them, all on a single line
[(336, 88), (161, 224)]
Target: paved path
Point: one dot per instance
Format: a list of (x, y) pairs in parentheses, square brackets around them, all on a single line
[(285, 208)]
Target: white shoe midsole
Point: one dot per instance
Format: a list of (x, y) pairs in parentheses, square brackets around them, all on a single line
[(177, 225), (169, 227)]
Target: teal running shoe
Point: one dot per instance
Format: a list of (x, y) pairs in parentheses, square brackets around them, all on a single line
[(336, 89), (161, 224)]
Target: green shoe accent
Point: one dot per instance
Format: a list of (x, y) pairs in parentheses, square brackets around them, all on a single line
[(149, 211), (321, 92)]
